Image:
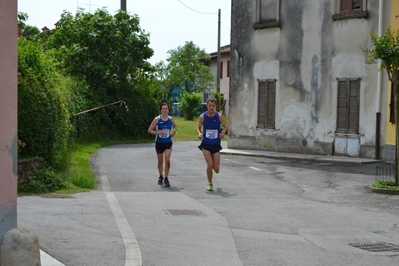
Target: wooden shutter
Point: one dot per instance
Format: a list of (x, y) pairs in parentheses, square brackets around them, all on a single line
[(357, 5), (342, 106), (221, 70), (353, 112), (262, 104), (345, 6), (267, 104), (271, 104), (348, 106), (228, 68)]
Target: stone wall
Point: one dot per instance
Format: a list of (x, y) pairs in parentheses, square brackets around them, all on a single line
[(26, 168)]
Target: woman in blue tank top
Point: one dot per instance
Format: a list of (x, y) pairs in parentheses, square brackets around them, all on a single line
[(164, 128), (211, 136)]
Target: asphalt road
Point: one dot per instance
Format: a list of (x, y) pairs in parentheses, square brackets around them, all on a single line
[(263, 212)]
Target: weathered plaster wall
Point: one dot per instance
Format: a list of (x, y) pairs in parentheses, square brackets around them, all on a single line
[(8, 116), (305, 55)]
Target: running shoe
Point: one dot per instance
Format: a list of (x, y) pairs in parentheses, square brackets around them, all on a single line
[(166, 182), (160, 180), (210, 187)]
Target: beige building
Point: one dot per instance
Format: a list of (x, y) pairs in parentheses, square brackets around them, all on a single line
[(299, 82), (224, 73), (8, 115)]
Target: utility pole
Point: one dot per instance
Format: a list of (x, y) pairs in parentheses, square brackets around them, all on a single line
[(123, 5), (218, 58)]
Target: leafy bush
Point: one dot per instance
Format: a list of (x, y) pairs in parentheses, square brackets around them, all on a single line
[(190, 104), (43, 106), (46, 181)]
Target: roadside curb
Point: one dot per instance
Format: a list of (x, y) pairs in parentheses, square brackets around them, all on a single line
[(300, 157)]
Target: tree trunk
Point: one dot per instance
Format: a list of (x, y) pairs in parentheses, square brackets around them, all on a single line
[(396, 133)]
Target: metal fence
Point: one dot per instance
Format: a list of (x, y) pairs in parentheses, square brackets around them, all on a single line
[(384, 171)]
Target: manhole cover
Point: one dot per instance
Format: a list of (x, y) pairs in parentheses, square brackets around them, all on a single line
[(376, 247), (57, 196), (184, 212)]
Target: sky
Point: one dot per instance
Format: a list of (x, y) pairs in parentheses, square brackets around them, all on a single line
[(170, 23)]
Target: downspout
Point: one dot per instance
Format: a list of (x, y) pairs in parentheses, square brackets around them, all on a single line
[(378, 98)]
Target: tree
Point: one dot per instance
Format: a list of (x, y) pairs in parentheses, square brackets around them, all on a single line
[(109, 53), (102, 49), (386, 49), (186, 68)]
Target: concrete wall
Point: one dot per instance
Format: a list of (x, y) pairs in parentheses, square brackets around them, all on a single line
[(305, 54), (8, 116)]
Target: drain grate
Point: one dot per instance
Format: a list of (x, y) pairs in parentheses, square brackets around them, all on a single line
[(184, 212), (376, 247)]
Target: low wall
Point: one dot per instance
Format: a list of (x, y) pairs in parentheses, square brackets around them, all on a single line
[(26, 168)]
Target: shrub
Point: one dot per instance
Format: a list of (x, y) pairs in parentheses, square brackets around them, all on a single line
[(190, 105), (45, 181)]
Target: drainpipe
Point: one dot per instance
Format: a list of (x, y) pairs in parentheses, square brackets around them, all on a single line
[(378, 98)]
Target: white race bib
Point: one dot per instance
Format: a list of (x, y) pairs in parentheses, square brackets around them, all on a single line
[(212, 133), (165, 133)]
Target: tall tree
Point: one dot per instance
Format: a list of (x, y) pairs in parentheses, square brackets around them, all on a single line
[(109, 53), (386, 49), (186, 67), (101, 48)]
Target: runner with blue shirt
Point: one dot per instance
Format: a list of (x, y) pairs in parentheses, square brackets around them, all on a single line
[(211, 138), (164, 128)]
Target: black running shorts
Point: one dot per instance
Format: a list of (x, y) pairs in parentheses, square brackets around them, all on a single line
[(161, 147)]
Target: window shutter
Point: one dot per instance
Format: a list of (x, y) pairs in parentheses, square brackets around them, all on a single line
[(262, 104), (271, 104), (221, 70), (357, 5), (342, 106), (228, 68), (345, 6), (353, 112)]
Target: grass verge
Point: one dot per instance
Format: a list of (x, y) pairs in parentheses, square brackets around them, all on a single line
[(386, 184)]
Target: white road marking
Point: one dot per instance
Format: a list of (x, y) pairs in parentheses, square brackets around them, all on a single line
[(132, 248), (254, 168)]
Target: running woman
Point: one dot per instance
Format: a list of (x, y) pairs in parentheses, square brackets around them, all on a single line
[(164, 128), (212, 134)]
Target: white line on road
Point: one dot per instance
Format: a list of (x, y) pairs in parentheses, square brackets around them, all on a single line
[(132, 249), (254, 168)]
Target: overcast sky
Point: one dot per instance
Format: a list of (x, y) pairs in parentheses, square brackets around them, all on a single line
[(170, 22)]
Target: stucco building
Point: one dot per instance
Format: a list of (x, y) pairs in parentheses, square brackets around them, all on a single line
[(299, 81), (8, 116), (224, 73)]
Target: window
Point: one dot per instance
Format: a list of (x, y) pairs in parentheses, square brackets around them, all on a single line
[(267, 14), (266, 103), (348, 106), (351, 6), (228, 68), (221, 70), (348, 9)]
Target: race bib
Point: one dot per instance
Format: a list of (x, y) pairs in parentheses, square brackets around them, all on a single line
[(165, 133), (212, 133)]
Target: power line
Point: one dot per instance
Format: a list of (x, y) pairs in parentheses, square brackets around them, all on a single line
[(196, 10)]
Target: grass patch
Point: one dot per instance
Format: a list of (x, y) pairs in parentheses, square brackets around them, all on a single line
[(186, 130), (386, 184)]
